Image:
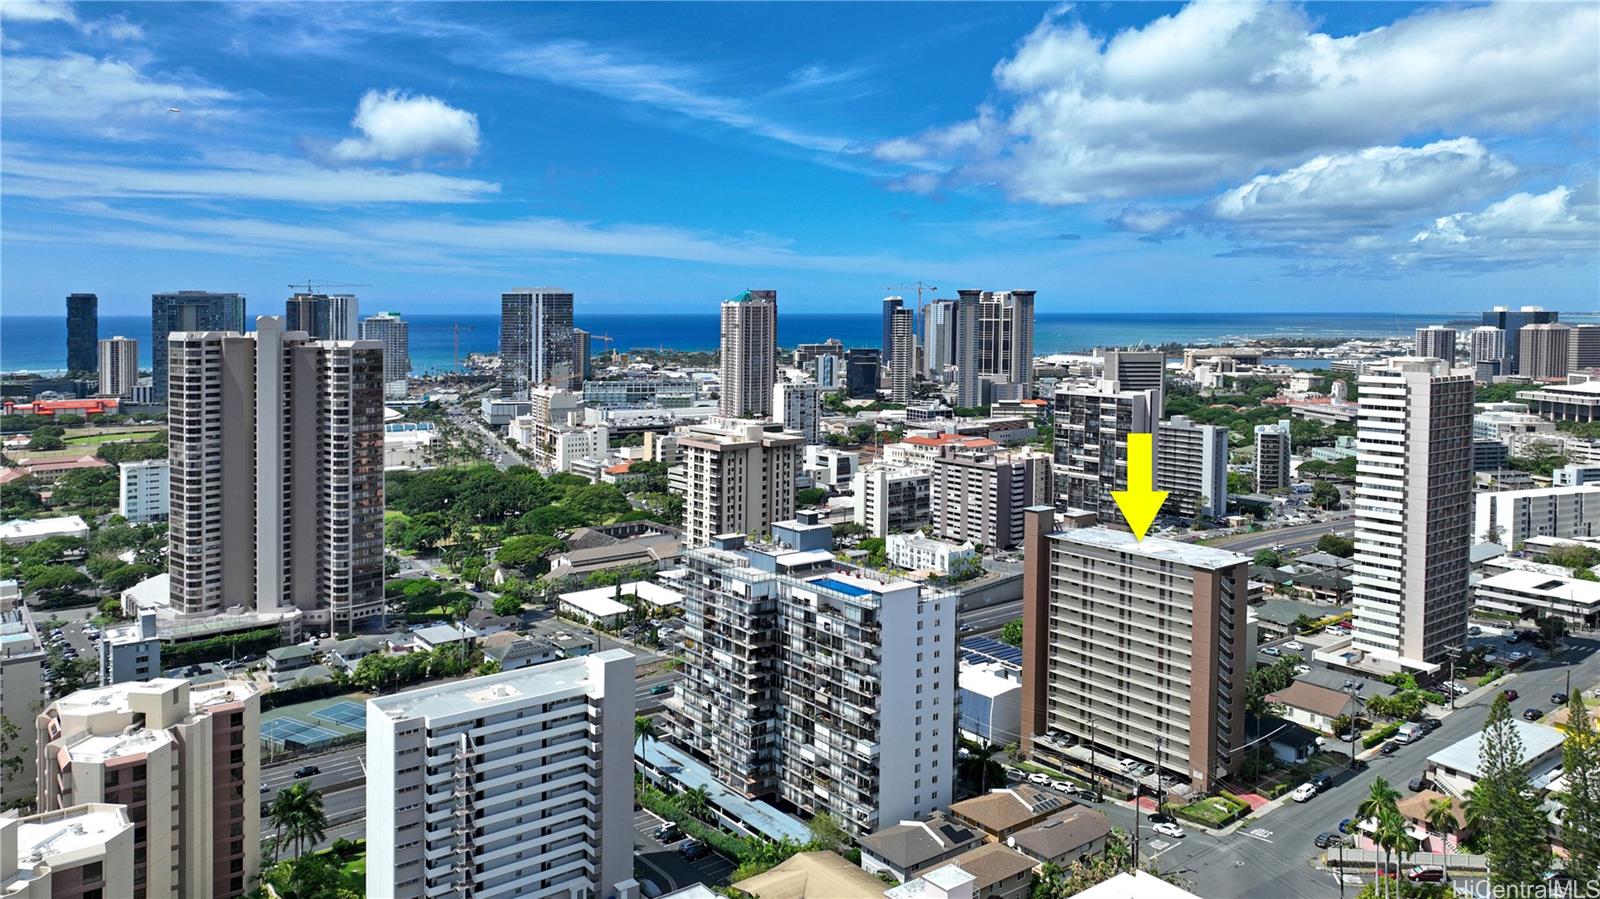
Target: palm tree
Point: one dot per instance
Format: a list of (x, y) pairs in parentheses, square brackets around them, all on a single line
[(1380, 798), (978, 764), (1394, 839), (1441, 816), (297, 815), (696, 802), (644, 728)]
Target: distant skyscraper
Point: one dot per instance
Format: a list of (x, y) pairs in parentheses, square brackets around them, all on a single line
[(890, 304), (582, 352), (902, 365), (119, 366), (83, 329), (994, 342), (1139, 370), (187, 310), (277, 475), (1413, 509), (1545, 351), (938, 336), (1272, 456), (514, 784), (1437, 342), (749, 353), (1192, 466), (798, 407), (1488, 346), (1511, 321), (861, 368), (308, 312), (343, 316), (537, 344), (1583, 348), (389, 329)]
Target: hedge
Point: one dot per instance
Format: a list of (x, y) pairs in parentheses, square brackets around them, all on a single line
[(654, 799), (1379, 735), (212, 649), (308, 693)]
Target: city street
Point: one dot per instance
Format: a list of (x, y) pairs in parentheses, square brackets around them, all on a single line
[(1275, 858), (1300, 536)]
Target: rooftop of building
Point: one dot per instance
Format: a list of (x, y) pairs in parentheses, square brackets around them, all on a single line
[(813, 875), (988, 864), (104, 747), (1062, 833), (1554, 587), (1312, 698), (17, 633), (1538, 742), (26, 528), (688, 773), (912, 843), (508, 688), (1190, 554), (79, 827), (1135, 885), (1006, 808)]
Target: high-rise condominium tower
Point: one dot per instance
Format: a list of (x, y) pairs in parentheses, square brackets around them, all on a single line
[(1092, 428), (994, 341), (1511, 321), (277, 474), (537, 344), (83, 329), (1138, 370), (738, 477), (1488, 346), (344, 313), (583, 353), (515, 784), (1583, 348), (798, 407), (902, 365), (1272, 456), (1192, 466), (1545, 351), (749, 353), (185, 761), (938, 336), (1437, 342), (308, 312), (1136, 648), (1413, 510), (187, 310), (890, 304), (119, 366), (389, 329)]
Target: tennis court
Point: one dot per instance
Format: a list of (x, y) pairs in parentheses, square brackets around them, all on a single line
[(349, 714), (291, 733)]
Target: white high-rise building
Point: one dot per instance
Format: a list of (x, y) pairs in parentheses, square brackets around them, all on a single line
[(1487, 345), (131, 652), (1272, 457), (515, 784), (276, 483), (185, 761), (892, 498), (1138, 370), (938, 337), (344, 316), (142, 490), (389, 329), (831, 687), (119, 366), (902, 362), (1413, 507), (798, 407), (749, 353), (736, 477), (1192, 466), (22, 665), (1436, 342), (538, 346), (1092, 427)]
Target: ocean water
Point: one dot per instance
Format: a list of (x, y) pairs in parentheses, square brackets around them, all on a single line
[(39, 343)]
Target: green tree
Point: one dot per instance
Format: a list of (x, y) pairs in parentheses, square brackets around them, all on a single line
[(1441, 819), (696, 802), (507, 605), (1580, 820), (826, 833), (296, 813), (811, 496), (1381, 800), (1324, 495), (644, 728), (1012, 632), (529, 554), (57, 580), (1268, 558), (979, 768), (1336, 545), (10, 751), (1514, 829)]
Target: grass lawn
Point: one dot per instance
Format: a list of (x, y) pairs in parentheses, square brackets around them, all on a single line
[(96, 439), (354, 874), (1215, 811)]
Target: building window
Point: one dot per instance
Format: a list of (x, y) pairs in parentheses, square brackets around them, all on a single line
[(93, 872)]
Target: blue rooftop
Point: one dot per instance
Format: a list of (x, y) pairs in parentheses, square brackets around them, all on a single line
[(687, 773), (839, 586)]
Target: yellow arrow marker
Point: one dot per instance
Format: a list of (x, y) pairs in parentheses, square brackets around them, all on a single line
[(1140, 502)]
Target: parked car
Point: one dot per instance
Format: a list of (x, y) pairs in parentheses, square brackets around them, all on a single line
[(658, 689), (1558, 699), (1474, 631), (1040, 779), (1326, 839), (1350, 736), (667, 833), (1302, 669), (1390, 748), (1303, 793), (305, 771), (693, 849), (1418, 784), (1162, 818), (1532, 715), (1510, 695), (1271, 651), (649, 889), (1322, 782), (1432, 724), (1064, 786), (1347, 825), (1294, 646), (1015, 776), (1168, 829), (1425, 874), (1128, 765)]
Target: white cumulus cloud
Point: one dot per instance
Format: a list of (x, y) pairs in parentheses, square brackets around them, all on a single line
[(396, 125), (1524, 227), (1366, 191), (1223, 91)]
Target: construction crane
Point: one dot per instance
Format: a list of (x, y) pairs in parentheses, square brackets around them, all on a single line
[(318, 285), (919, 287), (456, 328), (606, 338)]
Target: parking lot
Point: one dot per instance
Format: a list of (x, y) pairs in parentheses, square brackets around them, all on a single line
[(664, 866)]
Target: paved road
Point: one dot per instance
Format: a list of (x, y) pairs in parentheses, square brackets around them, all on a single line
[(665, 866), (1279, 861), (1297, 537), (990, 618)]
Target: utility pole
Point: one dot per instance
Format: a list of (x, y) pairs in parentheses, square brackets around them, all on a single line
[(1453, 650)]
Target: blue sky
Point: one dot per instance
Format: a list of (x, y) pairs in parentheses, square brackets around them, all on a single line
[(1136, 156)]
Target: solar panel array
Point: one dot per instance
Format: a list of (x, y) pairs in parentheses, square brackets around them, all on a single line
[(978, 650)]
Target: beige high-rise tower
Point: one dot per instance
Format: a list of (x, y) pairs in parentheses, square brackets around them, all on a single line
[(736, 477), (276, 490), (119, 366), (1545, 351), (749, 353), (1413, 510)]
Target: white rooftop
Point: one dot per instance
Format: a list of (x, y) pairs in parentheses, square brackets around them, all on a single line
[(42, 837), (1562, 587), (1538, 741), (1152, 547), (1137, 885), (599, 602), (508, 688), (40, 528), (104, 747), (986, 679)]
